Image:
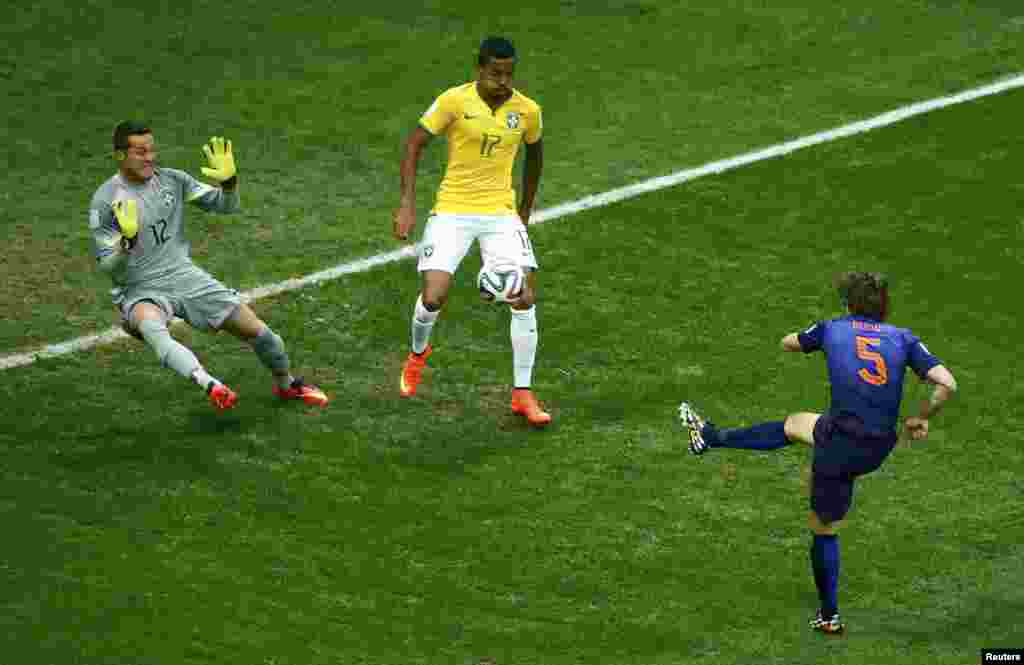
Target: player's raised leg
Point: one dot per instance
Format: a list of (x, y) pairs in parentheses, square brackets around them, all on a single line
[(506, 241), (150, 321), (772, 435), (269, 348)]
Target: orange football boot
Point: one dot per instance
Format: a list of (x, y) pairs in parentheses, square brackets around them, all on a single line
[(525, 404), (301, 390), (222, 397), (412, 371)]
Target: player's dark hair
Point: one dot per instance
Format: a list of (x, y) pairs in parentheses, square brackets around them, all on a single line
[(126, 129), (865, 294), (495, 48)]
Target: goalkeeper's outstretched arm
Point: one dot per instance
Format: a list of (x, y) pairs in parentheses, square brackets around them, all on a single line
[(220, 200), (222, 170)]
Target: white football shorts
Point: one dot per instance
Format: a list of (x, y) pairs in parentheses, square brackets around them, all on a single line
[(447, 239)]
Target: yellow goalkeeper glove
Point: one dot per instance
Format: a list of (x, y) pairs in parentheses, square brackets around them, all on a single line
[(222, 160), (126, 211)]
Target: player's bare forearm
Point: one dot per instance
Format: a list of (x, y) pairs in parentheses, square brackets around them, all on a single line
[(932, 405), (945, 386), (791, 342), (408, 173), (404, 218), (531, 179), (410, 163)]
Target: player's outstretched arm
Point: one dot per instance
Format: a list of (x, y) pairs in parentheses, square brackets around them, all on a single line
[(404, 219), (944, 387), (224, 171), (221, 156)]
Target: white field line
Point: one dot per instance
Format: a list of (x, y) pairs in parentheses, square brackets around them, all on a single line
[(566, 209)]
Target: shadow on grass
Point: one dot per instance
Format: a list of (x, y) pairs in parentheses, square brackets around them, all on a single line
[(175, 450)]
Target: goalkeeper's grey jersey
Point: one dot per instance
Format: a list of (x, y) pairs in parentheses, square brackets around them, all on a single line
[(161, 249)]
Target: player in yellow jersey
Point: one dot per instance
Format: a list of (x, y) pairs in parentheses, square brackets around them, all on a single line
[(484, 122)]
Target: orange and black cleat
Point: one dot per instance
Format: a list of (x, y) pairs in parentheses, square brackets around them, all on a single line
[(830, 626), (300, 390)]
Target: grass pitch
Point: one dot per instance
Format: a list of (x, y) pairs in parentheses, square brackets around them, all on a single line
[(143, 528)]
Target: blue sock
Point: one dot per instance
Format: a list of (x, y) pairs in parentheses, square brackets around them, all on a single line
[(825, 562), (765, 436)]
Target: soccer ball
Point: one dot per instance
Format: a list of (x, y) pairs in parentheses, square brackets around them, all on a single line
[(499, 282)]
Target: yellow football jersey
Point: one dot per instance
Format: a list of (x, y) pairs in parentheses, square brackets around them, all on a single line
[(482, 147)]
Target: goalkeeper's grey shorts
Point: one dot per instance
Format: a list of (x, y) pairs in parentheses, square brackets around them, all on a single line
[(192, 295)]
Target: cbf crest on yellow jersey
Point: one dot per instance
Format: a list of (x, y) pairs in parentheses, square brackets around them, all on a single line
[(482, 147)]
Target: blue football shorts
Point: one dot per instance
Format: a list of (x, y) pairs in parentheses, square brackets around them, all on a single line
[(843, 451)]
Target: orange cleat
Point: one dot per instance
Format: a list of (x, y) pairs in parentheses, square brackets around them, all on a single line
[(222, 397), (301, 390), (525, 404), (412, 371)]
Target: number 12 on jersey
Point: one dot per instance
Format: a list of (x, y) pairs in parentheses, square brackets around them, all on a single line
[(159, 235)]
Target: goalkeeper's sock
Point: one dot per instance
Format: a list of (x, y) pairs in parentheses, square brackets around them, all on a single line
[(523, 331), (269, 348), (765, 436), (173, 354), (423, 320)]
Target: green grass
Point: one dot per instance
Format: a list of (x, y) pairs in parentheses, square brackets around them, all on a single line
[(143, 528), (317, 101)]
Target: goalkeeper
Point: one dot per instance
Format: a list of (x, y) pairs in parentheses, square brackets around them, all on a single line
[(137, 223)]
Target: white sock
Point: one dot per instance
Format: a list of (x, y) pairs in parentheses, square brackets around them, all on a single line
[(202, 379), (422, 323), (523, 329)]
